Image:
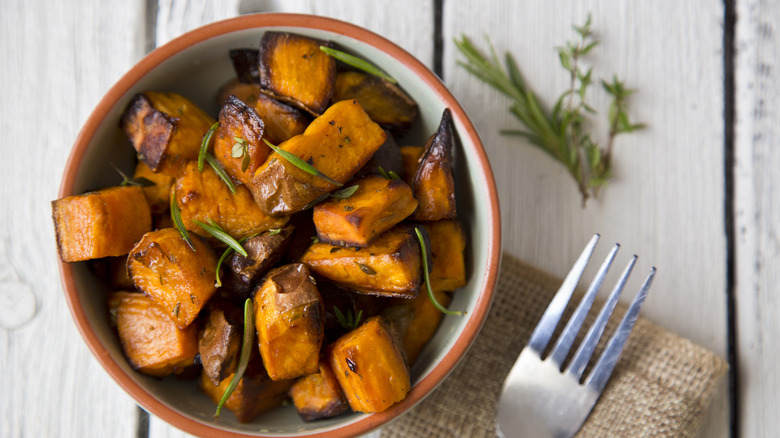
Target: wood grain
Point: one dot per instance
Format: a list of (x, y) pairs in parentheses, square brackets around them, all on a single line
[(757, 216), (666, 200), (58, 61)]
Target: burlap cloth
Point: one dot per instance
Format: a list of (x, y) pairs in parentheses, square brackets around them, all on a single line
[(660, 387)]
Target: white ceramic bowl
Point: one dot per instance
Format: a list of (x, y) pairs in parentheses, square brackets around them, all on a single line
[(196, 65)]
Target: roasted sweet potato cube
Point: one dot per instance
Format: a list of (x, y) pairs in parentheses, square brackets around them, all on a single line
[(288, 318), (245, 63), (180, 280), (158, 195), (203, 196), (152, 343), (240, 127), (100, 224), (377, 205), (318, 395), (410, 156), (370, 367), (385, 102), (417, 321), (263, 252), (448, 241), (433, 184), (165, 129), (389, 266), (255, 393), (219, 342), (281, 120), (338, 144), (294, 69)]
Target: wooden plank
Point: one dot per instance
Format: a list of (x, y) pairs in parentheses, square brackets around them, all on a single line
[(666, 200), (393, 20), (58, 61), (757, 177)]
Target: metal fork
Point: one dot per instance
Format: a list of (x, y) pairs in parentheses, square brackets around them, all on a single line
[(539, 399)]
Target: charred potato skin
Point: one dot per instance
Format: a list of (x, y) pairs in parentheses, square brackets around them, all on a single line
[(245, 63), (390, 266), (318, 395), (387, 157), (219, 342), (376, 206), (295, 70), (237, 120), (386, 103), (152, 343), (165, 129), (281, 120), (338, 144), (263, 252), (100, 224), (177, 278), (370, 366), (203, 196), (289, 322), (433, 183)]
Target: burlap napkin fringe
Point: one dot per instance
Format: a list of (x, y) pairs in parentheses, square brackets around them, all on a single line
[(661, 386)]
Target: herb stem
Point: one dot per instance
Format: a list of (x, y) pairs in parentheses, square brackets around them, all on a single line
[(246, 348), (433, 299)]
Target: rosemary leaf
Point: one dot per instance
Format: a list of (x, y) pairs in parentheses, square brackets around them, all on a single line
[(301, 164), (204, 145), (222, 236), (246, 348), (345, 193), (358, 63), (177, 222), (433, 299), (220, 171), (127, 181)]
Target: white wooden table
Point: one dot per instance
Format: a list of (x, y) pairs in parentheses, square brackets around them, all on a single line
[(694, 193)]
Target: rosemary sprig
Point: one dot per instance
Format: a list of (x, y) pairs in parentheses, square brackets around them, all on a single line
[(561, 132), (358, 63), (388, 175), (176, 219), (301, 164), (346, 192), (427, 277), (220, 234), (246, 348), (204, 145), (229, 251), (350, 321), (127, 181), (220, 171)]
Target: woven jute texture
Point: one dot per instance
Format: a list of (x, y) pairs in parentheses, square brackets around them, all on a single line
[(660, 387)]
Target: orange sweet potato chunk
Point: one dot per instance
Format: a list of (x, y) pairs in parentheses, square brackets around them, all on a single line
[(377, 205), (289, 322), (391, 265), (239, 121), (158, 195), (318, 395), (386, 103), (294, 69), (338, 144), (152, 342), (433, 183), (423, 324), (448, 241), (370, 367), (99, 224), (410, 156), (179, 279), (165, 129)]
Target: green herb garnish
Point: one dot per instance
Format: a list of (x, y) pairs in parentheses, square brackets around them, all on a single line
[(220, 171), (220, 234), (433, 299), (204, 145), (345, 193), (358, 63), (177, 222), (350, 321), (388, 175), (241, 149), (274, 231), (301, 164), (246, 348), (366, 269), (127, 181), (561, 132), (228, 251)]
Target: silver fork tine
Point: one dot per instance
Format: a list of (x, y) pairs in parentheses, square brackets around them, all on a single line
[(546, 326), (566, 339), (606, 363), (588, 345)]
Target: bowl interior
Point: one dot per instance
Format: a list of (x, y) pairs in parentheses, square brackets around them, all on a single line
[(197, 71)]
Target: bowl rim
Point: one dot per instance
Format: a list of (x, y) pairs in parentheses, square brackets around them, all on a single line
[(476, 317)]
